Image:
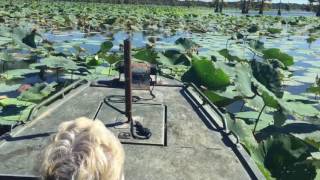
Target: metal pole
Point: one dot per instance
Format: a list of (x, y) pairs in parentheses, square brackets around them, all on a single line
[(128, 79)]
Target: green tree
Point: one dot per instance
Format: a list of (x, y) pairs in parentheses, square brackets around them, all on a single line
[(245, 6), (262, 6), (218, 5), (317, 8), (279, 7)]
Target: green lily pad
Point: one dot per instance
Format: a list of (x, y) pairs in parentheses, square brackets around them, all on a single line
[(279, 118), (163, 60), (24, 36), (311, 39), (270, 100), (226, 53), (250, 118), (256, 103), (113, 58), (274, 30), (59, 62), (14, 101), (241, 129), (203, 72), (275, 53), (243, 80), (186, 43), (299, 108), (5, 56), (281, 152), (94, 60), (7, 88), (147, 54), (37, 92), (12, 115), (217, 99), (268, 76), (314, 89), (105, 47), (253, 28), (18, 73), (223, 98)]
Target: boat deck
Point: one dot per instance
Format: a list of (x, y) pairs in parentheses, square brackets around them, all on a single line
[(185, 146)]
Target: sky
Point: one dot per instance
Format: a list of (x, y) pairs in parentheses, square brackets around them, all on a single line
[(276, 1)]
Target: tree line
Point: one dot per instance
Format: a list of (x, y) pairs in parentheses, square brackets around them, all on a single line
[(315, 6), (218, 5), (246, 5)]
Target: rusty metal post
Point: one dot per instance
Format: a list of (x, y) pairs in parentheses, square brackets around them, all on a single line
[(128, 79)]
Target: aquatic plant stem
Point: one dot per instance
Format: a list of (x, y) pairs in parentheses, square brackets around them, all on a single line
[(255, 126), (57, 75), (3, 66), (242, 106)]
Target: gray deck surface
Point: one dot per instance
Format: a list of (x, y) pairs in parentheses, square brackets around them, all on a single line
[(193, 151)]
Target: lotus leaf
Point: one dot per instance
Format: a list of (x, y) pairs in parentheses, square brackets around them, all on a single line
[(217, 99), (105, 47), (314, 89), (226, 53), (37, 92), (147, 54), (14, 102), (10, 115), (186, 43), (243, 80), (275, 53), (253, 28), (59, 62), (203, 72), (282, 154), (18, 73), (268, 76), (274, 30)]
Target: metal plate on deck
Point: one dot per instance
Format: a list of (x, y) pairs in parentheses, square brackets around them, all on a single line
[(151, 116)]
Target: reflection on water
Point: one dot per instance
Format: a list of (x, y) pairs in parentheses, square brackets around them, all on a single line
[(298, 89)]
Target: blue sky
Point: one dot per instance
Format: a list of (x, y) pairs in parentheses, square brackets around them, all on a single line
[(275, 1)]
